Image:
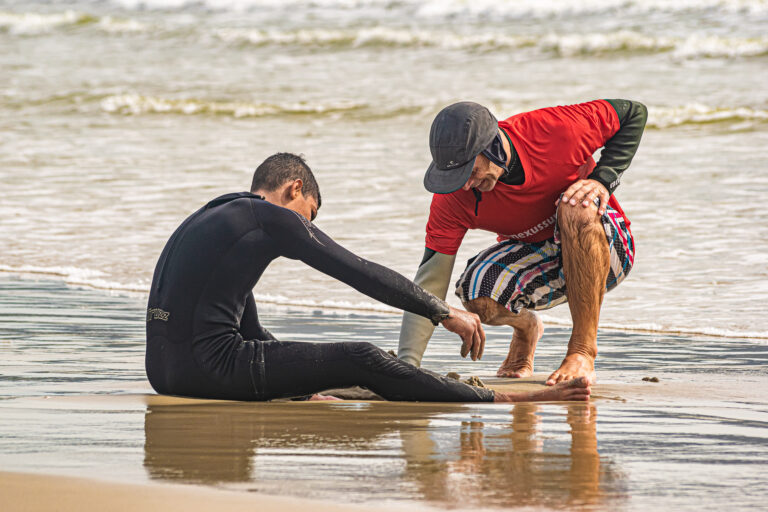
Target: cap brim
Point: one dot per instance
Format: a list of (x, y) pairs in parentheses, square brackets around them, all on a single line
[(445, 181)]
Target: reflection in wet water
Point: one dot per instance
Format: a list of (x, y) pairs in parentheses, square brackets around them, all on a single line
[(443, 454)]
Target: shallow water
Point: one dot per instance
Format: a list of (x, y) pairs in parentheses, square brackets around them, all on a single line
[(119, 118), (74, 401)]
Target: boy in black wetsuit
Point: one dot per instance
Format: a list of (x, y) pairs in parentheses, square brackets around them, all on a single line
[(204, 338)]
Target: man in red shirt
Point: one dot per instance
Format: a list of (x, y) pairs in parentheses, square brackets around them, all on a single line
[(562, 236)]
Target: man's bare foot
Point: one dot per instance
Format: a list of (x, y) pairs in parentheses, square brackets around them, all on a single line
[(574, 365), (317, 397), (574, 389), (519, 361)]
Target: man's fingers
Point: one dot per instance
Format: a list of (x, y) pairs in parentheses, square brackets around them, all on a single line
[(590, 196), (571, 192), (475, 344), (585, 195), (582, 194), (604, 198)]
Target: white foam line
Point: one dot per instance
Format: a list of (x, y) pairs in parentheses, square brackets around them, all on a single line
[(77, 277)]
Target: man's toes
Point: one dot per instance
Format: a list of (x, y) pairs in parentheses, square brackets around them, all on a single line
[(512, 374)]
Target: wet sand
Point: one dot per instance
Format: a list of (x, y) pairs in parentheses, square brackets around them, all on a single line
[(74, 402), (21, 492)]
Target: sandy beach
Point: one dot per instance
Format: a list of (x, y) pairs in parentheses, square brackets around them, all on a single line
[(29, 493)]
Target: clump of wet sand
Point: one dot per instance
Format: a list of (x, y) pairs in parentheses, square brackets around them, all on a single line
[(474, 380)]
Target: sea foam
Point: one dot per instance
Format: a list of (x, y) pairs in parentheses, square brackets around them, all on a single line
[(98, 280), (476, 8), (135, 104), (659, 117), (696, 113), (31, 23), (697, 45)]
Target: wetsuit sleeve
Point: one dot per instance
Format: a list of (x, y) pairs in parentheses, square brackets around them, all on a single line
[(434, 275), (621, 148), (297, 238)]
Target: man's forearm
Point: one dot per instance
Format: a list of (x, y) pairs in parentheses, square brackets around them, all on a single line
[(620, 149), (434, 275)]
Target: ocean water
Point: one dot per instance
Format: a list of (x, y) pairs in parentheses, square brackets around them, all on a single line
[(119, 118)]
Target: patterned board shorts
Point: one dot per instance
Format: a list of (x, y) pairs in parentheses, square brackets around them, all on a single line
[(521, 275)]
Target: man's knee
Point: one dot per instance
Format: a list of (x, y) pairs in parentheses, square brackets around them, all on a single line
[(484, 307), (576, 220)]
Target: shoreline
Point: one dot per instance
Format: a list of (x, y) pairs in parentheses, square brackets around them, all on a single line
[(132, 292)]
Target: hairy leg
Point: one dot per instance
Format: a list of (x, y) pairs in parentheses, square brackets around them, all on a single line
[(586, 262), (528, 329)]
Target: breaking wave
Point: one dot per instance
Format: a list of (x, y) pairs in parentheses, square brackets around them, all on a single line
[(510, 9), (693, 46), (136, 104), (698, 114), (562, 45), (34, 23), (372, 37)]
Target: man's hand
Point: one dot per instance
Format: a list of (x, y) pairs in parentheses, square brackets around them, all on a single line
[(468, 326), (585, 192)]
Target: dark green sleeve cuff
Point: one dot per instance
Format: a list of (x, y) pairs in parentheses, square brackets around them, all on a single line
[(606, 176), (619, 150)]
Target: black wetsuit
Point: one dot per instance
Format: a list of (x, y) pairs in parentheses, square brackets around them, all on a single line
[(204, 338)]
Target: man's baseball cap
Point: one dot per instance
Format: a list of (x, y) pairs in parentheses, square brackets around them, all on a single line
[(459, 133)]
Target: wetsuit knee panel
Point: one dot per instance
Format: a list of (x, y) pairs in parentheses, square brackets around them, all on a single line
[(373, 358)]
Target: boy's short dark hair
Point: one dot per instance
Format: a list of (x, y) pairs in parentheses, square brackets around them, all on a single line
[(279, 168)]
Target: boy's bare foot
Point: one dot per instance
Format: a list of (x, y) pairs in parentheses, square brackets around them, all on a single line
[(519, 361), (574, 389)]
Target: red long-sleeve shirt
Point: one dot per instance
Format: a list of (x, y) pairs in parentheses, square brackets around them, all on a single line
[(555, 146)]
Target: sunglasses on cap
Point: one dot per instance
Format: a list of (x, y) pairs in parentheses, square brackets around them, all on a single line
[(495, 152)]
